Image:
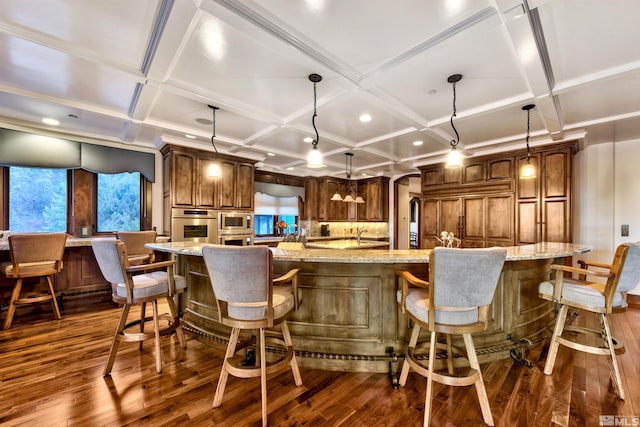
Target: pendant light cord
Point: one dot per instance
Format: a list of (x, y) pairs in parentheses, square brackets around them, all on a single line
[(528, 149), (313, 119), (213, 123), (457, 140)]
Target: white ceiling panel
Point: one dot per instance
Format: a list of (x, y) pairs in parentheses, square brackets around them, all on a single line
[(143, 72)]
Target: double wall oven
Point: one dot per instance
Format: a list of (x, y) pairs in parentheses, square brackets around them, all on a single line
[(212, 226)]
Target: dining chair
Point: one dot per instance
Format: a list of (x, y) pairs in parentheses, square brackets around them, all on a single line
[(131, 286), (134, 242), (455, 301), (33, 255), (597, 292), (249, 298)]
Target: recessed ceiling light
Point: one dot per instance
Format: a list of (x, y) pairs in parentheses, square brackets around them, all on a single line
[(270, 154), (190, 136), (289, 168), (50, 121), (416, 143), (365, 117), (308, 139)]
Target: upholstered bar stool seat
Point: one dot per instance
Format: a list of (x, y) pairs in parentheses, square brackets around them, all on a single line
[(33, 255), (131, 286), (604, 293), (243, 285), (455, 300)]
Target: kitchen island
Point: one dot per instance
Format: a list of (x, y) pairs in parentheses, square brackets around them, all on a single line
[(349, 319)]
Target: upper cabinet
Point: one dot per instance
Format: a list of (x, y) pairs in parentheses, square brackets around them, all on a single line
[(544, 202), (320, 207), (485, 202), (187, 184)]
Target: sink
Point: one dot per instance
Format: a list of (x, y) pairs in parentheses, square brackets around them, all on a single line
[(348, 244)]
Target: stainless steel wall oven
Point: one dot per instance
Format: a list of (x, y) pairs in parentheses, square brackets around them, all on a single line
[(194, 225)]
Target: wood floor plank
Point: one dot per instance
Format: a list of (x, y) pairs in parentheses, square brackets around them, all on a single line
[(51, 374)]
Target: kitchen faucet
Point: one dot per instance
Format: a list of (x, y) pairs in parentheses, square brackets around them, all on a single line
[(360, 230)]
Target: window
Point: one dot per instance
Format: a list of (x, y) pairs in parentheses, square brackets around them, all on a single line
[(265, 225), (37, 199), (119, 202)]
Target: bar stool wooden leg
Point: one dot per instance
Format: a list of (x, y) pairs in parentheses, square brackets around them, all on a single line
[(480, 388), (553, 346), (263, 377), (116, 339), (174, 313), (54, 302), (614, 371), (412, 345), (143, 314), (12, 304), (294, 362), (156, 330), (224, 374), (430, 366)]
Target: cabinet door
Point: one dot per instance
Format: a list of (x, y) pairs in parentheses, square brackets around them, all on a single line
[(429, 224), (499, 223), (311, 191), (336, 211), (244, 186), (183, 180), (450, 216), (206, 185), (226, 187), (373, 201)]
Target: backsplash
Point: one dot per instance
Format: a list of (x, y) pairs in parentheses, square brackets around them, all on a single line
[(341, 229)]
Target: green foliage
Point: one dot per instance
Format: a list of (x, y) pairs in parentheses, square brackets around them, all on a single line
[(37, 199), (119, 202)]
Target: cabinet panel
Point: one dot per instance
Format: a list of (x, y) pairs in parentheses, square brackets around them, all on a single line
[(244, 186), (528, 188), (474, 172), (183, 186), (449, 216), (555, 224), (527, 222), (499, 223), (451, 175), (473, 218), (502, 168), (227, 185), (555, 174), (206, 184), (311, 192)]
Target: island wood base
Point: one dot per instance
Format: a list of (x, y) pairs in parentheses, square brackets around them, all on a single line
[(349, 319)]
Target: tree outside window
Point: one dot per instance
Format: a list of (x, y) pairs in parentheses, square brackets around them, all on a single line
[(119, 202), (37, 200)]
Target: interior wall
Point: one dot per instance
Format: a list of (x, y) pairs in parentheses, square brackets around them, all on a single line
[(605, 197)]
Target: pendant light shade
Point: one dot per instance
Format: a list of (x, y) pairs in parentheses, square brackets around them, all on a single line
[(352, 194), (214, 171), (314, 158), (454, 158), (528, 171)]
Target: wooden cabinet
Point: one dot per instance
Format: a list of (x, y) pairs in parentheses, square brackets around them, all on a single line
[(485, 203), (375, 192), (544, 202), (320, 207), (187, 184)]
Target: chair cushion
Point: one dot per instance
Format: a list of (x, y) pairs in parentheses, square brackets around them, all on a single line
[(282, 303), (150, 284), (33, 268), (591, 294), (417, 304)]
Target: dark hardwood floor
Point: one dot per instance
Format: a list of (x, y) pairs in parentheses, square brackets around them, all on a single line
[(51, 375)]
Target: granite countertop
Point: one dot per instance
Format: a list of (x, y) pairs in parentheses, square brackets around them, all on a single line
[(74, 242), (323, 238), (386, 256)]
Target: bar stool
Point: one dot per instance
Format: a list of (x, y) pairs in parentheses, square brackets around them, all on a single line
[(455, 300), (33, 255), (243, 285), (590, 296), (131, 286), (134, 241)]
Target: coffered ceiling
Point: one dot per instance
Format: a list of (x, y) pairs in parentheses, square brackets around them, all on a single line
[(143, 73)]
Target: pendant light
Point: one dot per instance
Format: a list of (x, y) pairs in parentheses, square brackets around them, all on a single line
[(454, 158), (214, 170), (528, 170), (314, 158), (351, 190)]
